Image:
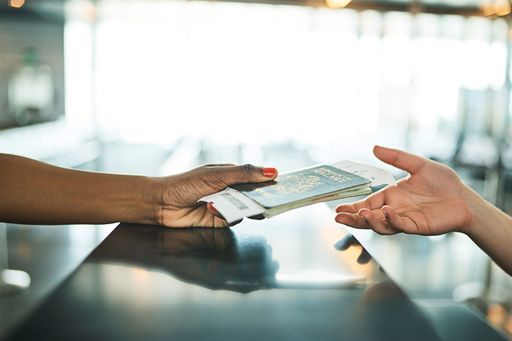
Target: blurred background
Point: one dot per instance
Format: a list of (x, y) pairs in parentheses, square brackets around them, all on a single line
[(156, 87)]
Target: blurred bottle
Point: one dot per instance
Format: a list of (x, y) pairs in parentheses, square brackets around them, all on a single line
[(31, 91)]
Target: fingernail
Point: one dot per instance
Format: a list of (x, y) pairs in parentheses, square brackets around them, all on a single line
[(269, 171), (363, 218), (213, 266), (213, 208), (385, 214)]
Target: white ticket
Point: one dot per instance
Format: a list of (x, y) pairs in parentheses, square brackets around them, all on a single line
[(233, 205), (377, 176)]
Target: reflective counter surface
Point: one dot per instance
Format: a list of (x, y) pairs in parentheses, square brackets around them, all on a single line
[(297, 276)]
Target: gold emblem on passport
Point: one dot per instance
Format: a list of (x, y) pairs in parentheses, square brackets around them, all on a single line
[(297, 184)]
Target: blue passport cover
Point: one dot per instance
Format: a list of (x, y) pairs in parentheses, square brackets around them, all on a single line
[(299, 185)]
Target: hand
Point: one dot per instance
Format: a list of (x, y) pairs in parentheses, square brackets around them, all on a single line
[(56, 195), (179, 206), (431, 201), (217, 259), (348, 241)]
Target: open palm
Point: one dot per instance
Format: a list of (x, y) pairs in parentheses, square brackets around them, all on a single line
[(431, 201)]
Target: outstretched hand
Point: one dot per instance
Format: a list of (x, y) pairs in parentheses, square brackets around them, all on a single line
[(40, 193), (180, 193), (430, 201)]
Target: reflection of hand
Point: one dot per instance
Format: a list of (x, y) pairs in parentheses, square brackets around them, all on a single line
[(386, 304), (431, 201), (348, 241), (179, 194), (209, 257), (217, 259), (206, 242)]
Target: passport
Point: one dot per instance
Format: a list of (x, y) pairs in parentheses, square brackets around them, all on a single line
[(299, 188), (303, 187)]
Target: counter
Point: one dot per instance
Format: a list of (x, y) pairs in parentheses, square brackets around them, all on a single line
[(296, 276)]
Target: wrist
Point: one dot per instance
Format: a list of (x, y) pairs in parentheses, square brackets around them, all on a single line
[(139, 201), (151, 201), (483, 214), (475, 205), (491, 231)]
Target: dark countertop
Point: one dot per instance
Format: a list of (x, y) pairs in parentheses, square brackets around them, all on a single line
[(297, 276)]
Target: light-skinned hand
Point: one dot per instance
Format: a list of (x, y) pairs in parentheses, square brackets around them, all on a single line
[(430, 201)]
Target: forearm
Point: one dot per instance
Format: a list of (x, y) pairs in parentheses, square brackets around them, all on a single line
[(32, 192), (491, 230)]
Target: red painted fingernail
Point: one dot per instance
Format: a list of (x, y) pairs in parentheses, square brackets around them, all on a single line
[(269, 171), (213, 208), (213, 266)]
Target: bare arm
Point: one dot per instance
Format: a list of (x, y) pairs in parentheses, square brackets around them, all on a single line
[(431, 201), (33, 192)]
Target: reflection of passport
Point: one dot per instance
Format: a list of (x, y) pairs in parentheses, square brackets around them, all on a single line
[(305, 186)]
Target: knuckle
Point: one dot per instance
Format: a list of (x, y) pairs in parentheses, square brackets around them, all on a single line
[(247, 169)]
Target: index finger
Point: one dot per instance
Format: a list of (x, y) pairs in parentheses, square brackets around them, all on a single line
[(372, 202)]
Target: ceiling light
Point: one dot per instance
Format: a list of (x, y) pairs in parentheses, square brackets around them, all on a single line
[(16, 3), (337, 3), (501, 7)]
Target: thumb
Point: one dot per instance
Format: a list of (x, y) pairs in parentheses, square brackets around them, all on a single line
[(405, 161), (245, 173)]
